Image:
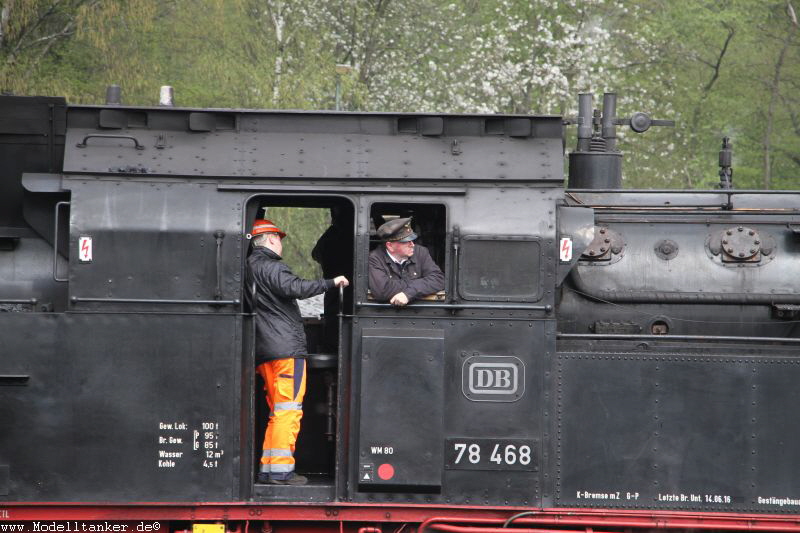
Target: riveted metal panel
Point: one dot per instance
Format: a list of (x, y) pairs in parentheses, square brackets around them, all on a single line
[(706, 294), (671, 430), (121, 407), (506, 473), (317, 145), (695, 270), (775, 432), (153, 240), (400, 437)]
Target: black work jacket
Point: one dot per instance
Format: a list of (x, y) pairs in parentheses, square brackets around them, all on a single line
[(418, 276), (279, 326)]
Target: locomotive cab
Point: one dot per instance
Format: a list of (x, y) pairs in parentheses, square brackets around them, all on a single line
[(328, 328), (312, 251)]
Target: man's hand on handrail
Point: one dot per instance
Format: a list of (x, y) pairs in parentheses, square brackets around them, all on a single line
[(400, 299)]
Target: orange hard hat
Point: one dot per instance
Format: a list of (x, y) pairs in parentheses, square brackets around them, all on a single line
[(262, 225)]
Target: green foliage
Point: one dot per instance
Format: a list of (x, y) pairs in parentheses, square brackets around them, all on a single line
[(717, 68), (303, 226), (72, 47)]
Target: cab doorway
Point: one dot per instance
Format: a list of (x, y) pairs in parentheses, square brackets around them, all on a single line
[(319, 244)]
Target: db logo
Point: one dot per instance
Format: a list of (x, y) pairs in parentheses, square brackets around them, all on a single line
[(487, 378)]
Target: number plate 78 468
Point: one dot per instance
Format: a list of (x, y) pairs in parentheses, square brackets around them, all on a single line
[(491, 454)]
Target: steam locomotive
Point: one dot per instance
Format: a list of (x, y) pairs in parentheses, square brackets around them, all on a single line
[(601, 359)]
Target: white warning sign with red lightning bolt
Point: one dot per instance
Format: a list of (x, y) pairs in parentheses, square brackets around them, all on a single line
[(85, 249), (565, 250)]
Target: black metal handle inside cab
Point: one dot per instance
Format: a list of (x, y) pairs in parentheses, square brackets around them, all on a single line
[(82, 144), (218, 236), (341, 323)]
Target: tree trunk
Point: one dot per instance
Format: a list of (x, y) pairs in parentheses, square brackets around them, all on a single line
[(775, 94), (278, 23), (4, 16), (705, 92)]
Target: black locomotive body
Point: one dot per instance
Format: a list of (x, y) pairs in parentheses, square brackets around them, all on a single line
[(595, 350)]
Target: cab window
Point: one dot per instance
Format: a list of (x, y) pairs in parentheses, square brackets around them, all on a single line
[(428, 221)]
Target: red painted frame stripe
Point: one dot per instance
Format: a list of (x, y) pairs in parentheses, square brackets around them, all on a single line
[(451, 519)]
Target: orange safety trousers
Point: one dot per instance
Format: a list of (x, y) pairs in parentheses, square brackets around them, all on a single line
[(285, 386)]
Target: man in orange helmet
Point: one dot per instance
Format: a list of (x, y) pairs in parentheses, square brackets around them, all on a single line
[(280, 347)]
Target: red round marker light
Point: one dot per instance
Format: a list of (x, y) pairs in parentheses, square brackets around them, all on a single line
[(386, 471)]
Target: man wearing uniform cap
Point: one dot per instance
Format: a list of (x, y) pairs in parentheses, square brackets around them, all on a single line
[(400, 270), (280, 347)]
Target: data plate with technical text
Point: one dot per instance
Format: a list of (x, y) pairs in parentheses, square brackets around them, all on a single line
[(491, 454)]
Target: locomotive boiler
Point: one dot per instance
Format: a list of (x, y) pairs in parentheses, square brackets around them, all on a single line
[(600, 359)]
